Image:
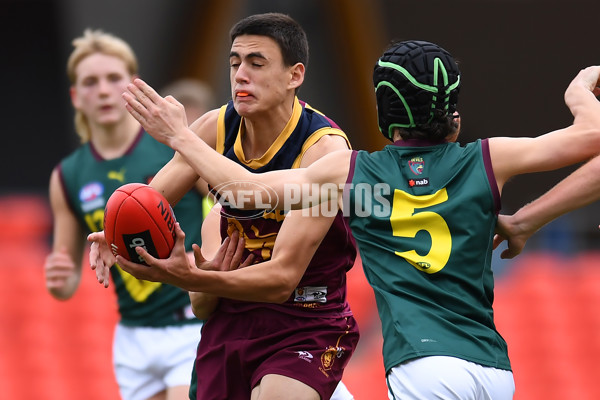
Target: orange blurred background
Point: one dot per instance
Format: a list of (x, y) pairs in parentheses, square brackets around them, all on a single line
[(546, 308)]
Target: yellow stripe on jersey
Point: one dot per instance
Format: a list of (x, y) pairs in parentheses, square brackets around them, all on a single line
[(220, 146), (314, 138), (207, 205), (277, 144)]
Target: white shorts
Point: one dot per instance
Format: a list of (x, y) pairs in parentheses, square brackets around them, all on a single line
[(441, 377), (150, 360), (341, 393)]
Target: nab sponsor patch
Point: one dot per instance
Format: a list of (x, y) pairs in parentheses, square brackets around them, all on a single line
[(418, 182)]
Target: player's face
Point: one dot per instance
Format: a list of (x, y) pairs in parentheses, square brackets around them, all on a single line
[(259, 79), (101, 79)]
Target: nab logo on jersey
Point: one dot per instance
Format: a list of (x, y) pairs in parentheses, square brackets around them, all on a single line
[(418, 182)]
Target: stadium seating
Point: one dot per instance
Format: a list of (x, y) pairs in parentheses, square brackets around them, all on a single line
[(545, 307)]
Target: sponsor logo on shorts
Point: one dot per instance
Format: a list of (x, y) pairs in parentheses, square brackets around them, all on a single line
[(310, 294), (305, 355)]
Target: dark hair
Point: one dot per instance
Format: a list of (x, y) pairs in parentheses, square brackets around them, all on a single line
[(284, 30), (440, 126)]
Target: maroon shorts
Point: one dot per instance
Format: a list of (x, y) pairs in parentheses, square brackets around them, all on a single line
[(238, 349)]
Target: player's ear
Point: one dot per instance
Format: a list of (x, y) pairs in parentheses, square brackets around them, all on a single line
[(296, 75), (74, 97)]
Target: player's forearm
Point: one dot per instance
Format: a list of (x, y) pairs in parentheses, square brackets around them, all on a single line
[(218, 171), (210, 165), (579, 189), (259, 283), (174, 180)]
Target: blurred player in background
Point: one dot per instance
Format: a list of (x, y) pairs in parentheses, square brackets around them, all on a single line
[(156, 337), (423, 211), (285, 330), (195, 95)]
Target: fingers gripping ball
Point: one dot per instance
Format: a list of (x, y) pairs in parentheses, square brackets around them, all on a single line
[(138, 215)]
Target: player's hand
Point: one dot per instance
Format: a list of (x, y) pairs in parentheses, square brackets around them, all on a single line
[(507, 229), (228, 257), (58, 268), (163, 118), (174, 270), (101, 257), (178, 270), (588, 79)]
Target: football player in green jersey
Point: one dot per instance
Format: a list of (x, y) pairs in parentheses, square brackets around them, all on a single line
[(157, 330), (423, 211)]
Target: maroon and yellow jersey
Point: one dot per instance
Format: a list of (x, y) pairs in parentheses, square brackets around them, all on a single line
[(323, 286)]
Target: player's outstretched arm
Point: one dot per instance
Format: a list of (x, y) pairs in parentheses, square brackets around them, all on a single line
[(577, 190), (163, 119)]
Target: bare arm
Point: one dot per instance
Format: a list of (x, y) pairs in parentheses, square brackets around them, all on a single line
[(162, 118), (63, 265), (579, 189), (177, 177), (270, 281), (204, 304)]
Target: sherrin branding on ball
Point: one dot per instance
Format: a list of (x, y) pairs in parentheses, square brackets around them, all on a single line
[(138, 215)]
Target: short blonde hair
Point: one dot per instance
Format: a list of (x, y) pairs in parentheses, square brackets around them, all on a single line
[(92, 42)]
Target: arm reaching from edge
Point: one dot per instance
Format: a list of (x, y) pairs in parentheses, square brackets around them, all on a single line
[(579, 189)]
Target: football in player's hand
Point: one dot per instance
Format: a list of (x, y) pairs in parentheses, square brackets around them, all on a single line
[(138, 215)]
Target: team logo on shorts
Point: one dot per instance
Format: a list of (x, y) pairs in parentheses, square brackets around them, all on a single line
[(416, 165), (328, 358)]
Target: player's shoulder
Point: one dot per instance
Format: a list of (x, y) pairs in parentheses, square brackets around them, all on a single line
[(327, 144), (206, 126)]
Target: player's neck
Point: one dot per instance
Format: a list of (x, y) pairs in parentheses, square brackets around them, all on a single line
[(112, 141), (260, 132)]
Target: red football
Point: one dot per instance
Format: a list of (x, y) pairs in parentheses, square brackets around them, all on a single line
[(138, 215)]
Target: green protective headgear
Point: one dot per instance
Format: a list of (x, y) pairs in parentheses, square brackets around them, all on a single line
[(412, 79)]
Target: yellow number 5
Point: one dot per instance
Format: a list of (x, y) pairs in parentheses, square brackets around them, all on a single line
[(406, 223)]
